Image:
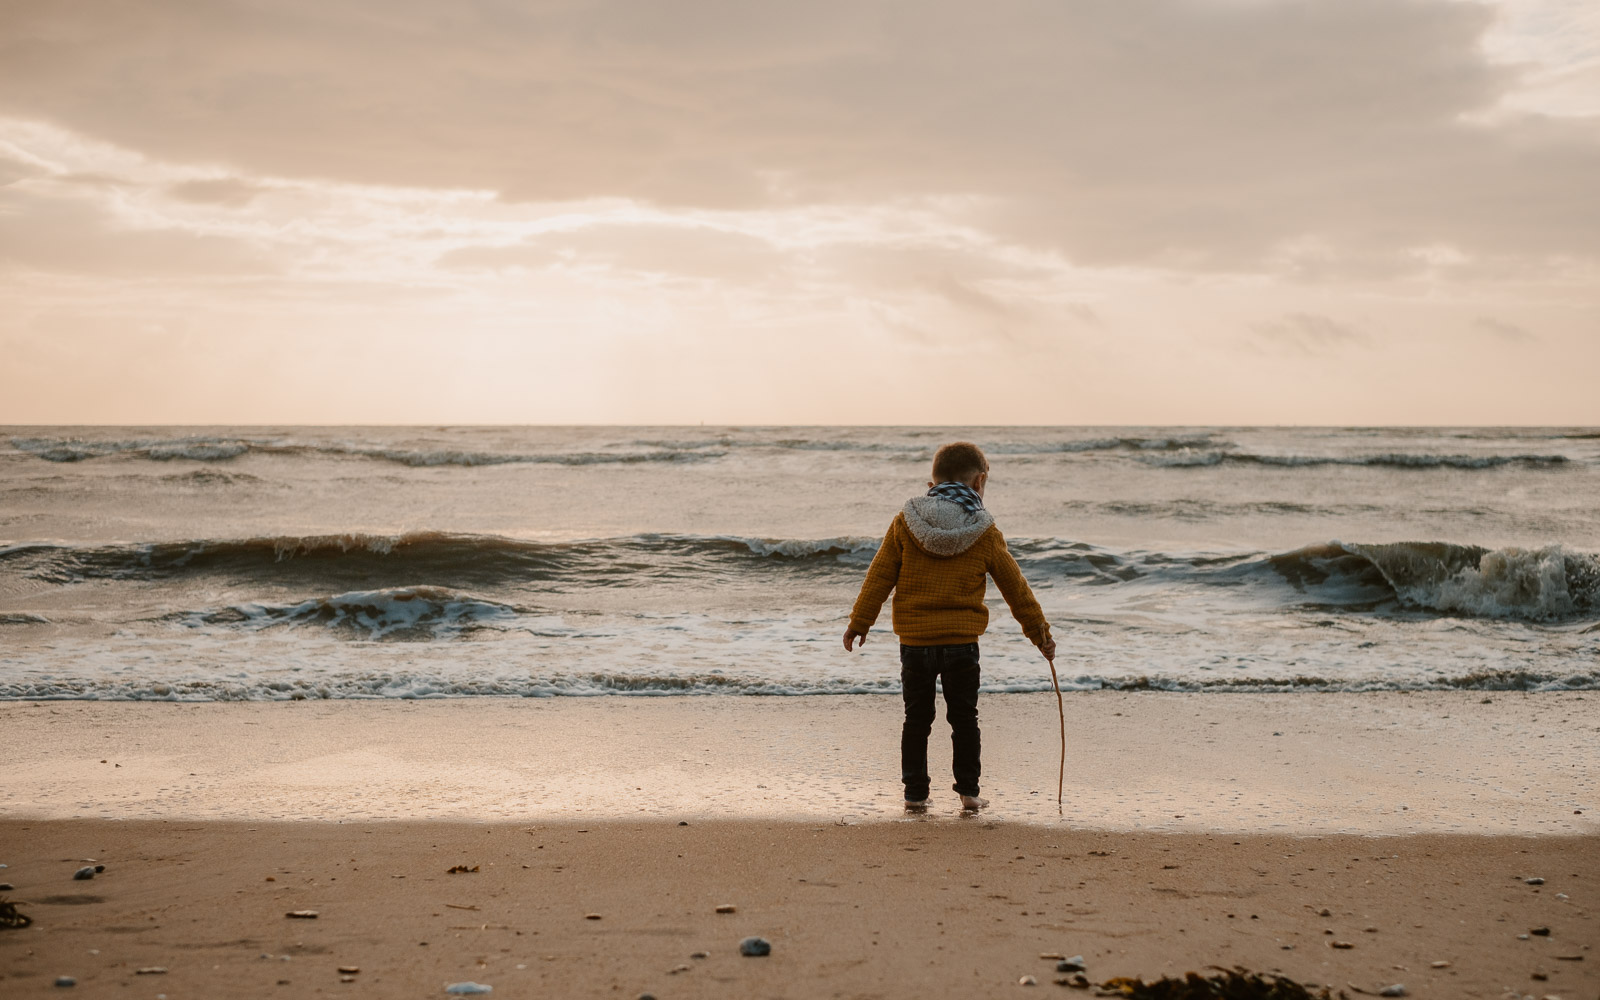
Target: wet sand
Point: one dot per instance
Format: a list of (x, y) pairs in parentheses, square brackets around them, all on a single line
[(1458, 762), (1200, 830)]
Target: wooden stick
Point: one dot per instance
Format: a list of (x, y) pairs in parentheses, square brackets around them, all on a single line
[(1061, 775)]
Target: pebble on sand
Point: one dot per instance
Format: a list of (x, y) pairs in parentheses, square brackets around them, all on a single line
[(302, 914), (1534, 881), (591, 916), (151, 970), (1397, 990), (1073, 964), (84, 873), (6, 887), (1027, 981), (755, 947), (1343, 945), (349, 970), (1539, 931), (1440, 965), (727, 908), (469, 988), (66, 981)]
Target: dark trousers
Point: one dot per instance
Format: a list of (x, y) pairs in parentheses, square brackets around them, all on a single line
[(920, 666)]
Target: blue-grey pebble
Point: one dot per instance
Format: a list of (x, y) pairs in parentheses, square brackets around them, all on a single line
[(86, 872), (66, 981), (755, 947)]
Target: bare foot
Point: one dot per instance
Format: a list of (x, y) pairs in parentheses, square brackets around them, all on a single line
[(972, 803), (916, 805)]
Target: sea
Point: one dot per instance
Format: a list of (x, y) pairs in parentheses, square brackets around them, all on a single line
[(274, 563)]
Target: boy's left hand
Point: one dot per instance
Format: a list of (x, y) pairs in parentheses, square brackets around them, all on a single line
[(853, 638), (1049, 650)]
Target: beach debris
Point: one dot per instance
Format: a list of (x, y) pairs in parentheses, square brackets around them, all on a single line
[(1559, 895), (1540, 976), (699, 954), (12, 918), (7, 887), (1342, 945), (1539, 931), (1569, 958), (647, 996), (349, 970), (151, 970), (683, 822), (85, 873), (1073, 964), (1077, 982), (1234, 984), (1534, 881), (460, 906), (591, 916), (1051, 956), (469, 988), (677, 969), (755, 947), (461, 870), (1522, 937), (1397, 990), (727, 908), (1324, 912), (347, 979), (66, 981), (301, 914), (1439, 965), (1027, 981)]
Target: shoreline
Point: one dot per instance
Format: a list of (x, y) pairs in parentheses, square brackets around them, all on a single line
[(1388, 763)]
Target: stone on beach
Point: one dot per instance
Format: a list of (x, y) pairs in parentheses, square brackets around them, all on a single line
[(66, 981), (302, 914), (469, 988), (727, 908), (1073, 964), (85, 873), (1397, 990), (755, 947)]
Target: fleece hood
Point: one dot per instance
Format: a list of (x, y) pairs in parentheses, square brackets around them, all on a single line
[(943, 527)]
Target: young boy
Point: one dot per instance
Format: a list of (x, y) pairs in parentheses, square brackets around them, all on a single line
[(935, 557)]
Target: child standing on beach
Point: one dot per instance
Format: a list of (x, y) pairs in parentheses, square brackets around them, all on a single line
[(938, 551)]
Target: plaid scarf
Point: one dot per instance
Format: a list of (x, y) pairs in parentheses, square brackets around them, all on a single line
[(959, 493)]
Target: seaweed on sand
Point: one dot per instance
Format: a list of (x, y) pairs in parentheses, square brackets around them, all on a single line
[(1228, 984), (11, 917)]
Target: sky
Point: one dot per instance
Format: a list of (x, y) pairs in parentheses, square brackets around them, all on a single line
[(1129, 212)]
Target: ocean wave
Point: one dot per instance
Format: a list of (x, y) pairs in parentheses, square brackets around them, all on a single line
[(421, 684), (370, 561), (1545, 584), (204, 449), (427, 613), (1187, 459)]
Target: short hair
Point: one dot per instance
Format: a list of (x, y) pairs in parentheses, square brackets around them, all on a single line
[(958, 462)]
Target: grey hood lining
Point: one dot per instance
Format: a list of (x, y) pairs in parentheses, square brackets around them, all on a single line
[(943, 527)]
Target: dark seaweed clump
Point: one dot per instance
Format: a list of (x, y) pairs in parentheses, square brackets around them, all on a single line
[(1227, 984), (11, 917)]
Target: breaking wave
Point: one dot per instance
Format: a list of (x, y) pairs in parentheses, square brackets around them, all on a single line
[(1395, 460), (226, 449), (396, 613)]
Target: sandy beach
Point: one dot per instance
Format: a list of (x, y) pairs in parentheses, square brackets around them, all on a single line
[(1199, 830)]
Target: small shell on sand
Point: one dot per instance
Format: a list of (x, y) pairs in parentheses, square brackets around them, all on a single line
[(1027, 981), (1340, 944), (727, 908), (302, 914)]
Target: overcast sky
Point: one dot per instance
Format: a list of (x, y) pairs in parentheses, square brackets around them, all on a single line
[(932, 211)]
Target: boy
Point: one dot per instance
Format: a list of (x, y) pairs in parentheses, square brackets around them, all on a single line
[(935, 557)]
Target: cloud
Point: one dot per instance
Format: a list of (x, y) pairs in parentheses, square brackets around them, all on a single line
[(226, 191), (1308, 335), (72, 235), (658, 248), (1502, 330), (1181, 134)]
